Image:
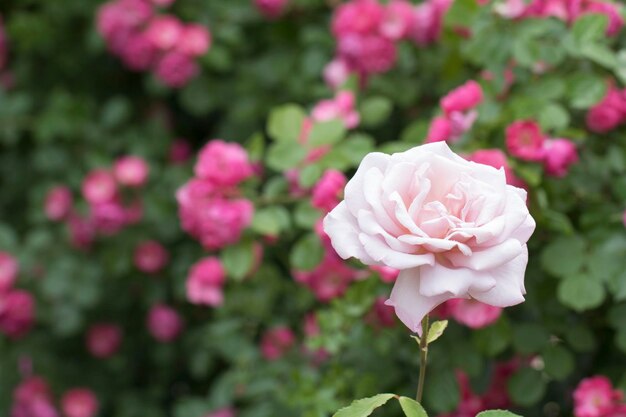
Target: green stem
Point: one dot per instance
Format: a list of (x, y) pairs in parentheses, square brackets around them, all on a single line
[(423, 359)]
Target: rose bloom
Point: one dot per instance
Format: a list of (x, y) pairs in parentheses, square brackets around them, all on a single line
[(164, 323), (559, 154), (472, 313), (454, 228), (463, 98), (9, 269), (176, 69), (524, 140), (330, 279), (79, 402), (609, 113), (164, 31), (195, 40), (33, 398), (342, 107), (336, 72), (150, 257), (58, 203), (99, 186), (398, 19), (357, 16), (276, 342), (440, 130), (205, 281), (381, 314), (223, 164), (326, 192), (131, 171), (138, 53), (595, 397), (17, 313), (104, 340), (497, 159)]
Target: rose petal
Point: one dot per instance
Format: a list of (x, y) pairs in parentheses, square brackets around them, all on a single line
[(456, 282), (509, 289), (409, 304), (342, 229), (380, 252), (488, 258)]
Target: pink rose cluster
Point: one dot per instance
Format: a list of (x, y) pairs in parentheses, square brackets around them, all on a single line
[(526, 141), (33, 398), (609, 113), (146, 40), (210, 206), (367, 32), (271, 9), (459, 113), (566, 10), (17, 307), (596, 397), (495, 397), (110, 194)]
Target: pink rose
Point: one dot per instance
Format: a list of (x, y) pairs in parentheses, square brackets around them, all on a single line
[(329, 280), (397, 20), (164, 323), (17, 313), (99, 186), (9, 269), (276, 342), (150, 257), (341, 107), (138, 53), (472, 313), (205, 281), (271, 9), (595, 397), (440, 130), (33, 398), (222, 163), (454, 228), (180, 151), (176, 69), (358, 17), (79, 402), (609, 113), (164, 31), (131, 171), (559, 154), (524, 140), (104, 340), (195, 40), (463, 98), (58, 203), (328, 189), (385, 273), (336, 72), (370, 54)]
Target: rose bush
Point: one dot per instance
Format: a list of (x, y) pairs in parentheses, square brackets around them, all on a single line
[(166, 167)]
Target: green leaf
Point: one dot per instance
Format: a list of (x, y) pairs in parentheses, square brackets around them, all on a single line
[(270, 220), (436, 330), (364, 407), (492, 340), (580, 338), (564, 256), (580, 292), (285, 122), (442, 391), (307, 253), (497, 413), (238, 259), (526, 387), (600, 54), (461, 12), (559, 362), (326, 133), (411, 407), (355, 147), (585, 90), (554, 116), (530, 338), (589, 28), (309, 175), (305, 215), (375, 110), (285, 155)]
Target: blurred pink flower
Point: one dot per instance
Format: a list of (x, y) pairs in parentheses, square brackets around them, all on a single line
[(609, 113), (327, 192), (176, 69), (385, 273), (472, 313), (524, 140), (164, 323), (222, 412), (17, 313), (205, 281), (463, 98), (58, 203), (9, 268), (336, 73), (330, 279), (223, 164), (440, 130), (138, 52), (131, 171), (79, 402), (271, 9), (99, 186), (164, 31), (103, 340), (195, 40), (150, 257), (180, 151), (595, 397), (398, 19), (342, 107), (276, 342), (559, 154)]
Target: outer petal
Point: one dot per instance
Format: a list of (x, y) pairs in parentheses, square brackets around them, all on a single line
[(342, 228), (488, 258), (509, 289), (381, 253), (354, 194), (410, 305), (455, 282)]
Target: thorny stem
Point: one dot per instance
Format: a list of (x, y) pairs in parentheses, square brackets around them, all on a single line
[(423, 359)]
